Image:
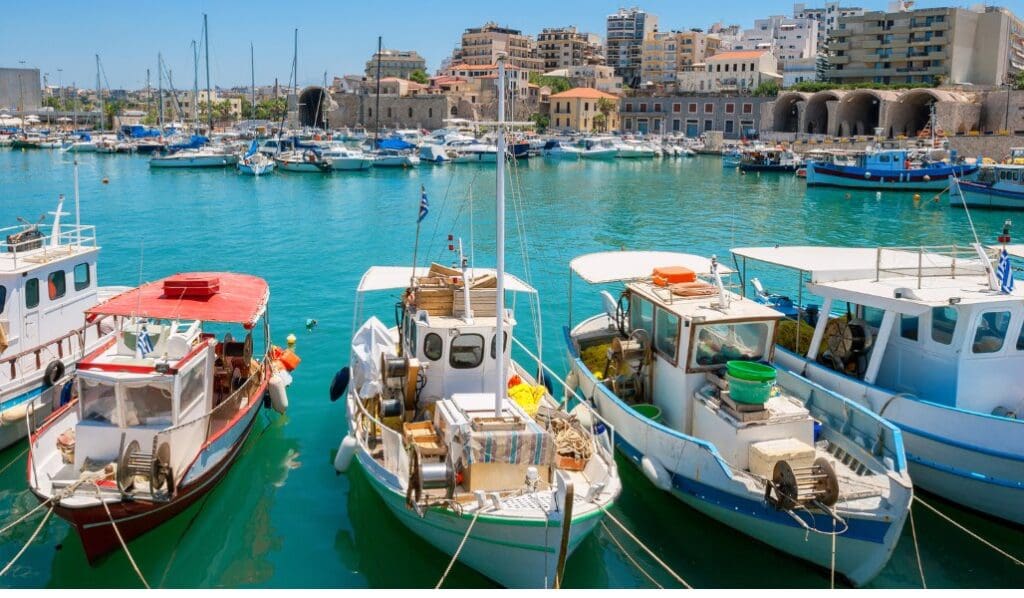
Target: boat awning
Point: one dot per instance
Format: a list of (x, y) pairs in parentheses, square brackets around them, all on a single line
[(205, 296), (614, 266), (831, 264), (385, 278)]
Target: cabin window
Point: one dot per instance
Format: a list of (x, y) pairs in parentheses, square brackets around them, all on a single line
[(467, 351), (433, 346), (193, 390), (943, 324), (147, 405), (873, 316), (908, 327), (32, 293), (991, 331), (410, 334), (1020, 338), (494, 349), (641, 314), (56, 284), (3, 298), (666, 334), (716, 344), (883, 158), (99, 402), (81, 276)]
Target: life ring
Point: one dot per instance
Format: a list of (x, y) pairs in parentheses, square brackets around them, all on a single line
[(54, 372)]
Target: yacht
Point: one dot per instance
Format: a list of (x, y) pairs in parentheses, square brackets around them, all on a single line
[(557, 149), (598, 148), (303, 160), (343, 157)]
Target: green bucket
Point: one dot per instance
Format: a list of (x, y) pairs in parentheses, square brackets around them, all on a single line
[(651, 412), (752, 392), (751, 370)]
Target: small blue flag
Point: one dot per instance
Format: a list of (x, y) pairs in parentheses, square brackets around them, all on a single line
[(424, 205), (1004, 274)]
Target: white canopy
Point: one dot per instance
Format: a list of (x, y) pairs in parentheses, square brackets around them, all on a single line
[(383, 278), (831, 264), (613, 266)]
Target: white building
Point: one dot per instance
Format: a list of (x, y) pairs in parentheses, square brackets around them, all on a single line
[(827, 17), (734, 71)]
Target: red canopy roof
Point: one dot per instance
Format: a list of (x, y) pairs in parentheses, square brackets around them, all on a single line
[(204, 296)]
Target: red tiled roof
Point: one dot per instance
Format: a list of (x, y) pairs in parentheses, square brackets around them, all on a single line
[(586, 93)]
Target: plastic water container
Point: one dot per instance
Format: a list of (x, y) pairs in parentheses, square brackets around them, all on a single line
[(754, 392), (652, 412), (751, 370)]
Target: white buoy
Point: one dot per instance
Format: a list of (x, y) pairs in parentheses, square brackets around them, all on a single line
[(878, 195), (278, 394), (656, 473), (346, 450), (571, 382)]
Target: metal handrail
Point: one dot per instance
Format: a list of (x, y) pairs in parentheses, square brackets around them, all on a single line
[(963, 261), (13, 360)]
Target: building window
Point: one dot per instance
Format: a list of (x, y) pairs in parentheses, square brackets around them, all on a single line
[(709, 108), (708, 126), (730, 108), (628, 124), (657, 107), (81, 276), (728, 126), (430, 113), (692, 108), (748, 108), (675, 124), (389, 112), (410, 112), (643, 107), (677, 107)]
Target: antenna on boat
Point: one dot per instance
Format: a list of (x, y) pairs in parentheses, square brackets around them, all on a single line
[(55, 232), (723, 297), (464, 265), (499, 192), (78, 213)]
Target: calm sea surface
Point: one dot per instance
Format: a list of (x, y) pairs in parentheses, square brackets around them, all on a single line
[(282, 517)]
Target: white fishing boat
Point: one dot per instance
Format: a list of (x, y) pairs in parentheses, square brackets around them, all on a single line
[(302, 160), (390, 158), (47, 278), (462, 444), (556, 149), (343, 157), (678, 365), (163, 408), (203, 157), (925, 337)]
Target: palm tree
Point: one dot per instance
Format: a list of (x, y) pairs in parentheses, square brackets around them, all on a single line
[(605, 106)]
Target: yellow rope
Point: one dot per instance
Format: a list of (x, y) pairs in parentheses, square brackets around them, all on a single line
[(649, 552), (622, 549), (458, 551), (917, 551), (39, 528), (120, 538), (1015, 560)]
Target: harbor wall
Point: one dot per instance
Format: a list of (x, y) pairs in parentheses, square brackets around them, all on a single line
[(996, 147)]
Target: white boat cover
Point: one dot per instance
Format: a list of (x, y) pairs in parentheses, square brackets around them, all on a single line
[(613, 266), (368, 343), (383, 278)]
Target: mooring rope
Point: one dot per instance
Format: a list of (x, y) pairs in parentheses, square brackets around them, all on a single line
[(832, 567), (13, 461), (649, 552), (1015, 560), (25, 516), (917, 551), (120, 539), (35, 534), (458, 551), (630, 558)]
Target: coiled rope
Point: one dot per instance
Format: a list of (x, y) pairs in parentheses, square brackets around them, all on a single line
[(458, 551), (1014, 559)]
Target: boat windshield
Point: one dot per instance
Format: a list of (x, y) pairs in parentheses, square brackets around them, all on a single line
[(99, 402), (717, 343)]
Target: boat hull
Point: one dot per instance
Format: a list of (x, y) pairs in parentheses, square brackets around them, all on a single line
[(978, 195), (768, 167), (396, 162), (193, 162), (600, 154), (922, 179), (303, 167), (256, 170), (351, 163)]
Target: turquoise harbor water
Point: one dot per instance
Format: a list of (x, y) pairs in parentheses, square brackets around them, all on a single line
[(282, 517)]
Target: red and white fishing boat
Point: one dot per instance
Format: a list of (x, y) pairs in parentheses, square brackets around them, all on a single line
[(162, 408)]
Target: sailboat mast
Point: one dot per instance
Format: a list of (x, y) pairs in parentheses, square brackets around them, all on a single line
[(160, 91), (499, 193), (376, 110), (99, 90), (149, 95), (206, 49), (252, 73), (195, 84)]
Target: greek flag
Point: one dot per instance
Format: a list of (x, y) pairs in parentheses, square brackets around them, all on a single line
[(424, 204), (142, 345), (1004, 274)]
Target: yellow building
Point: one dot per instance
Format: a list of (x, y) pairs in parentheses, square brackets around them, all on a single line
[(578, 108)]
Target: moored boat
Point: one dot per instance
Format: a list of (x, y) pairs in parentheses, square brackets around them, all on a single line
[(556, 149), (303, 160), (995, 186), (887, 169), (163, 408), (769, 159)]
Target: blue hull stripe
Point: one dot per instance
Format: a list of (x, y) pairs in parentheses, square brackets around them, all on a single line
[(961, 473), (962, 445), (26, 396)]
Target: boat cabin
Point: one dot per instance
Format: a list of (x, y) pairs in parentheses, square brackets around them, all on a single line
[(1004, 177)]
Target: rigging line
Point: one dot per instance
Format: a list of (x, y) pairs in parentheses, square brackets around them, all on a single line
[(120, 539), (25, 516), (35, 534), (649, 552), (437, 217), (629, 557), (1015, 560), (13, 461), (458, 550), (917, 550)]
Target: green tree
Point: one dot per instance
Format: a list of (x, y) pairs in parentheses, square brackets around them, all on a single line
[(767, 88), (556, 84), (605, 106), (1019, 82), (600, 122), (272, 109), (419, 76), (541, 121), (110, 110)]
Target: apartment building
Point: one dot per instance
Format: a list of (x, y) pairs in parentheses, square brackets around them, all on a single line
[(729, 72), (658, 58), (579, 109), (695, 46), (395, 63), (826, 16), (482, 45), (626, 31), (959, 46), (600, 77), (564, 47)]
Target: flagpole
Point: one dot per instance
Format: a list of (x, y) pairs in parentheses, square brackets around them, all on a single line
[(416, 244)]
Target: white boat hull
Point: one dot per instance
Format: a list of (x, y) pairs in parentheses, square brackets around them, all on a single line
[(215, 161), (396, 161), (256, 169), (351, 163), (600, 154)]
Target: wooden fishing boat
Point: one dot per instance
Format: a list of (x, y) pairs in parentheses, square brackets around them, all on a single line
[(162, 409)]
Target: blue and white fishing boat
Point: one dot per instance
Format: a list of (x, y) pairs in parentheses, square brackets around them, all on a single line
[(677, 364), (892, 169), (996, 186), (933, 341)]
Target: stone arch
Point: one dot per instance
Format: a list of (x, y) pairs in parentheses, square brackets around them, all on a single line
[(860, 111), (786, 112), (314, 103), (816, 116)]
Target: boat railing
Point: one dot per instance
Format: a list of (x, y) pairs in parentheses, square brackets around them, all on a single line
[(42, 249), (32, 359), (396, 459), (930, 261)]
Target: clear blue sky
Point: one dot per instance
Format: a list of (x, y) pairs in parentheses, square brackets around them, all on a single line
[(334, 36)]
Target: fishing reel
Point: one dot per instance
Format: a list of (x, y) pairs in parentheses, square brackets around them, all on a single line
[(154, 468), (792, 486)]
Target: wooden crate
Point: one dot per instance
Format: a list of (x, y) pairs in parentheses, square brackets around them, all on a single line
[(500, 476)]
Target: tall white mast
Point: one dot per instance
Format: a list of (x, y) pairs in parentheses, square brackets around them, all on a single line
[(499, 192)]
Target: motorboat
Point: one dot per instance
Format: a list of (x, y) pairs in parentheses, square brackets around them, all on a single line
[(472, 152), (679, 364), (393, 158), (434, 153), (83, 144), (895, 169), (303, 160), (928, 338), (994, 186), (343, 157), (48, 276), (557, 149), (464, 445), (598, 148), (635, 149), (163, 407), (769, 159), (195, 154)]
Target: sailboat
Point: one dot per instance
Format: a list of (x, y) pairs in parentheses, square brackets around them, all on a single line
[(464, 445)]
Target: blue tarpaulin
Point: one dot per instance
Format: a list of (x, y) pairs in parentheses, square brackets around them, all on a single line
[(253, 148), (394, 143), (196, 142), (139, 131)]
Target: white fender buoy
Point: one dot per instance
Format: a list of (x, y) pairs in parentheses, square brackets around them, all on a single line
[(346, 450), (656, 473), (571, 383), (15, 414), (278, 394)]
